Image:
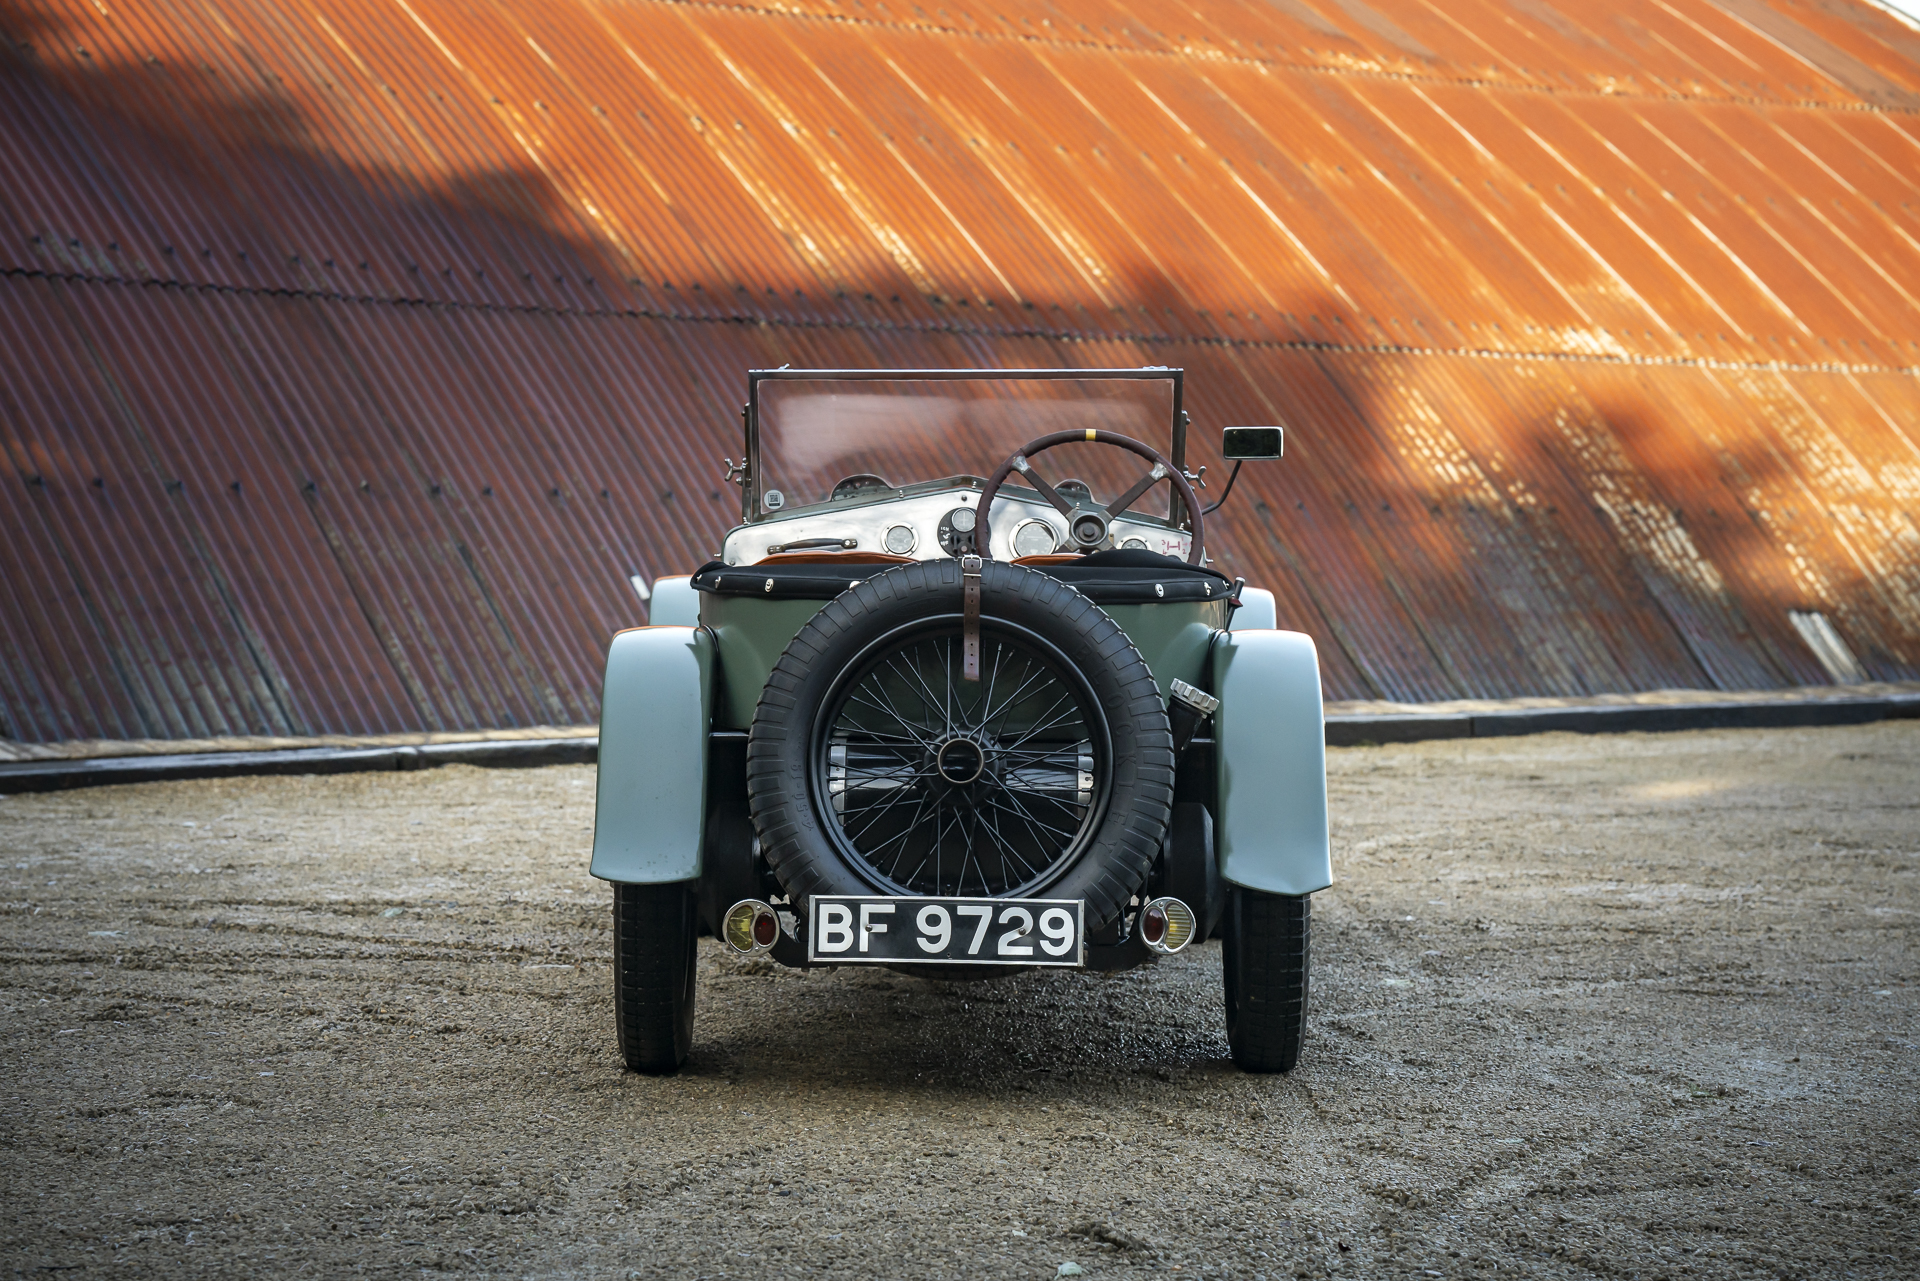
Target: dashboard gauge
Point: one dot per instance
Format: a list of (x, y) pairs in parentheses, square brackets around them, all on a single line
[(956, 531), (1033, 538)]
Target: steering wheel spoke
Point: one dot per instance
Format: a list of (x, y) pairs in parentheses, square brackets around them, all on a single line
[(1039, 482), (1132, 496), (1092, 517)]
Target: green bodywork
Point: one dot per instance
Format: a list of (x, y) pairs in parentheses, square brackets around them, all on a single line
[(751, 635), (1172, 637), (667, 686)]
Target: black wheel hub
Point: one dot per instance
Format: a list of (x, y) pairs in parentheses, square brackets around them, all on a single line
[(960, 760), (938, 785)]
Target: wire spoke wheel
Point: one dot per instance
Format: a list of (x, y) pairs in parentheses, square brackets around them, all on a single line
[(941, 785), (875, 767)]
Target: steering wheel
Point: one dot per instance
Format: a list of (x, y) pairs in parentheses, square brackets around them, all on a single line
[(1089, 524)]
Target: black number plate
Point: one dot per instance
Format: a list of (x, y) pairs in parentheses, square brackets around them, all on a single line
[(878, 930)]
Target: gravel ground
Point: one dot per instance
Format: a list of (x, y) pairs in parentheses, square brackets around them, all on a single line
[(1632, 1005)]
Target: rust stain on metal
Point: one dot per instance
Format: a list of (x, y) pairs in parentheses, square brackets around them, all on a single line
[(354, 356)]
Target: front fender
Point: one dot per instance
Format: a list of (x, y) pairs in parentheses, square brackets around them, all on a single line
[(1270, 815), (655, 708)]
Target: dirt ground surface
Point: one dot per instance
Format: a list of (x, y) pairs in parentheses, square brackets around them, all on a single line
[(1627, 1006)]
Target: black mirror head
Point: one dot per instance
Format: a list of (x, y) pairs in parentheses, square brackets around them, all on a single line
[(1252, 444)]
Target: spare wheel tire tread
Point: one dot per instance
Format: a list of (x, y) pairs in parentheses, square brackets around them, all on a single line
[(807, 861)]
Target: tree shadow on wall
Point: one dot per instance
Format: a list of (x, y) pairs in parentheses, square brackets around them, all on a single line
[(1416, 584), (1500, 530), (411, 501), (1733, 538), (211, 181)]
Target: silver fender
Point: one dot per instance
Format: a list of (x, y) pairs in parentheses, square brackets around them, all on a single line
[(1270, 763), (1256, 610), (655, 708), (674, 603)]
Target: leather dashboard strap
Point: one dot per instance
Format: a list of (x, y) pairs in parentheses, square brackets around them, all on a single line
[(970, 617)]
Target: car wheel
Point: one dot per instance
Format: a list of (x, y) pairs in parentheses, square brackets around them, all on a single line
[(875, 766), (1263, 962), (654, 936)]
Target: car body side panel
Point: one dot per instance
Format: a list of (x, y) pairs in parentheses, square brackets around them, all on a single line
[(674, 602), (751, 635), (1172, 637), (649, 810), (1270, 819)]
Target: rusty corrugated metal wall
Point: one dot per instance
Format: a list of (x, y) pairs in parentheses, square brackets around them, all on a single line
[(352, 355)]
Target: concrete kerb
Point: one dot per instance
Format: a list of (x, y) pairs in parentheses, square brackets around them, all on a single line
[(1413, 727), (48, 776), (1341, 731)]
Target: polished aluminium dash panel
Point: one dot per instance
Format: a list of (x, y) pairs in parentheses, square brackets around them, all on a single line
[(867, 523)]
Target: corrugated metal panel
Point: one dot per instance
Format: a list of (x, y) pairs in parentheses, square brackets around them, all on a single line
[(397, 336)]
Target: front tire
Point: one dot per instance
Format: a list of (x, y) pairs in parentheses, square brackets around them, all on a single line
[(1264, 964), (655, 931)]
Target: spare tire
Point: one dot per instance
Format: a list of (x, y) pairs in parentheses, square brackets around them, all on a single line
[(873, 767)]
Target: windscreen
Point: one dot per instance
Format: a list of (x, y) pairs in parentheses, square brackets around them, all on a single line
[(815, 433)]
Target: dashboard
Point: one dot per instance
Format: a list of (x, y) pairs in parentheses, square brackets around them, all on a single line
[(927, 526)]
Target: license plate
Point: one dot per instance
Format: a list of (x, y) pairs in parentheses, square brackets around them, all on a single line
[(879, 930)]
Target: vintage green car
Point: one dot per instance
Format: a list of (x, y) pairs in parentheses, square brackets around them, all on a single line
[(961, 726)]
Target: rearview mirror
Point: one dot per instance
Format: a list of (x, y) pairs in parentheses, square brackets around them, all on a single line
[(1252, 444)]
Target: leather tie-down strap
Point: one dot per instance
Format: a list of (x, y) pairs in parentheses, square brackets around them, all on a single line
[(970, 617)]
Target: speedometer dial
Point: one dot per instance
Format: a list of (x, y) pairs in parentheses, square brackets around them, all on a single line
[(1033, 538)]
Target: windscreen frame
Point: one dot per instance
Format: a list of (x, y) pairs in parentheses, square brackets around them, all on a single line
[(750, 482)]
